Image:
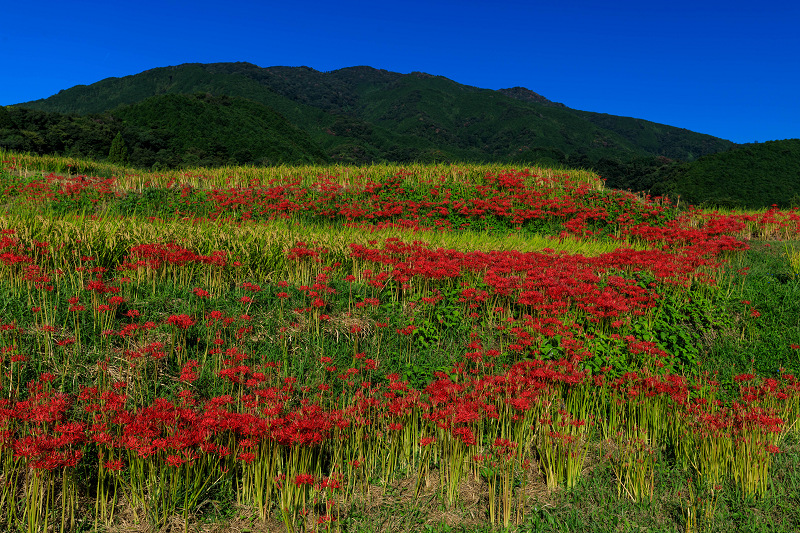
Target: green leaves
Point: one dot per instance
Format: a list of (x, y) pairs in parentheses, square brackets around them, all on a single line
[(118, 153)]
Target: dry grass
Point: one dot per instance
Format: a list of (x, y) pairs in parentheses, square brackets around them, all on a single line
[(392, 509)]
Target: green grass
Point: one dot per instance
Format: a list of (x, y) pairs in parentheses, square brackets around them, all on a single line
[(761, 343)]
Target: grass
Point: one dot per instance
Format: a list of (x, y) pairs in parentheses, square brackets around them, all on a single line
[(761, 343), (593, 505), (28, 165)]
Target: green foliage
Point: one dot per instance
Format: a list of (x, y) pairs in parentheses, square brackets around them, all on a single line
[(202, 129), (165, 132), (158, 202), (118, 153), (750, 176), (42, 132), (659, 139), (761, 312), (5, 119)]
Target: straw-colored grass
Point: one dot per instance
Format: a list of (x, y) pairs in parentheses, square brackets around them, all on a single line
[(243, 176)]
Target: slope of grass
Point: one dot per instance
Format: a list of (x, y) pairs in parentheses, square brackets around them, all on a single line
[(191, 368)]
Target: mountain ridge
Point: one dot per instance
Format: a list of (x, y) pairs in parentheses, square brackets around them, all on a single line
[(347, 91), (357, 115)]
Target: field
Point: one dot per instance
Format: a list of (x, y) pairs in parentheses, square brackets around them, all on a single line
[(419, 348)]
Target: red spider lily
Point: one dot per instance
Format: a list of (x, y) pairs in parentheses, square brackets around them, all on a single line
[(181, 321), (188, 374), (252, 287), (174, 460), (465, 435), (201, 293), (114, 465), (304, 479)]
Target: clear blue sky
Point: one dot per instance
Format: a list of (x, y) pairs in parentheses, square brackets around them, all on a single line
[(730, 69)]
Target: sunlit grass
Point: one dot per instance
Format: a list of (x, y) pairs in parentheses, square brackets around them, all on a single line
[(244, 176)]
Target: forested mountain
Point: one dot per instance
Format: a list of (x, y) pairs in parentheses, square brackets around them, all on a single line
[(355, 115), (239, 113)]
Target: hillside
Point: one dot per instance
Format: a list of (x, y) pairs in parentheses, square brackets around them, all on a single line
[(166, 131), (362, 114), (750, 176), (215, 128), (511, 348)]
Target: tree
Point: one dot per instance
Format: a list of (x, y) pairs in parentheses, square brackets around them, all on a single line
[(118, 153), (6, 121)]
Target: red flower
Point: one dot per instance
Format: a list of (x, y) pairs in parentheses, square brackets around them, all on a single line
[(247, 457), (114, 465), (181, 321), (201, 293), (304, 479), (175, 460)]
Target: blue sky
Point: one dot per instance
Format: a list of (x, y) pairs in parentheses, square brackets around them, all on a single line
[(729, 69)]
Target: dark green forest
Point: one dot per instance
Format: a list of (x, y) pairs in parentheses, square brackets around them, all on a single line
[(238, 113), (165, 131), (750, 176)]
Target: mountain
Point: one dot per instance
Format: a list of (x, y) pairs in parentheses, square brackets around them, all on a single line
[(363, 114)]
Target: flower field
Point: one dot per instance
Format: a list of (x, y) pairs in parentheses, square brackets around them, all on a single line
[(274, 347)]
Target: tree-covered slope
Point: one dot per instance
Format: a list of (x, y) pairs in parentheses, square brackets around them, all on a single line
[(220, 129), (167, 130), (362, 114), (753, 175), (658, 139)]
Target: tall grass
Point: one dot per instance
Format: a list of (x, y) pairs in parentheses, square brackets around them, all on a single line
[(243, 176)]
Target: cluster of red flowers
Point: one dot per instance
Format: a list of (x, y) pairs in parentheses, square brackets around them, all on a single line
[(153, 256), (548, 315)]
